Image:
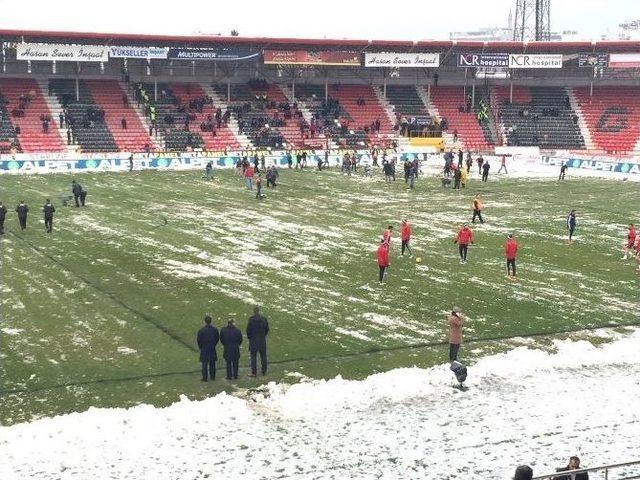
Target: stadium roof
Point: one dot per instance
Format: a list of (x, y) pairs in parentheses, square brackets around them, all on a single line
[(399, 45)]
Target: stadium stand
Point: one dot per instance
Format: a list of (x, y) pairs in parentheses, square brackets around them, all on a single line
[(450, 103), (109, 96), (8, 139), (27, 109), (86, 118), (170, 117), (612, 117), (202, 110), (539, 116)]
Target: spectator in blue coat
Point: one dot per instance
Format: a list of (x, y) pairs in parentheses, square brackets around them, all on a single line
[(208, 338), (231, 338), (257, 331)]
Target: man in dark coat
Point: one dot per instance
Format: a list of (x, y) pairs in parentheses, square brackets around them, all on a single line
[(76, 188), (231, 338), (48, 210), (207, 339), (3, 215), (257, 331), (22, 210)]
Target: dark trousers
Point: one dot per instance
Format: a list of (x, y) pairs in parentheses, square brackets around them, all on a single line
[(485, 177), (209, 370), (77, 199), (259, 192), (254, 361), (232, 368), (571, 233), (453, 351), (48, 224), (561, 177), (382, 272), (511, 266), (83, 196), (477, 214), (405, 244), (23, 222), (503, 167), (2, 227), (462, 249)]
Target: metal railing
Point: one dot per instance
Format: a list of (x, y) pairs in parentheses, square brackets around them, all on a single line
[(605, 468)]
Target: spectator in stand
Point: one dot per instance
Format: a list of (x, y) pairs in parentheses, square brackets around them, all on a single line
[(61, 119), (435, 79), (574, 464), (123, 123), (45, 126), (523, 472)]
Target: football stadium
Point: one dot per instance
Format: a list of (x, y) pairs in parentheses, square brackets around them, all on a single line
[(269, 257)]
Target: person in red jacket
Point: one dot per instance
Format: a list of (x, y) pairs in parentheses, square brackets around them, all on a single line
[(248, 177), (631, 240), (383, 259), (405, 237), (510, 251), (463, 239), (386, 235)]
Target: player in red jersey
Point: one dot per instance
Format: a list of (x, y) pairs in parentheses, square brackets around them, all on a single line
[(383, 259), (631, 240), (386, 235), (463, 239), (405, 237), (510, 251)]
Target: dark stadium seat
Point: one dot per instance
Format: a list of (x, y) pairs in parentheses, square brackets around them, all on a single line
[(539, 116), (90, 131)]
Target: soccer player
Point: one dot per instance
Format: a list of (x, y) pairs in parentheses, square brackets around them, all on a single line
[(405, 237), (563, 171), (631, 240), (477, 209), (48, 210), (463, 239), (571, 225), (383, 259), (22, 210), (386, 235), (510, 251)]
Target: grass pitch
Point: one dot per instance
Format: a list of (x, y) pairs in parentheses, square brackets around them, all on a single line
[(104, 311)]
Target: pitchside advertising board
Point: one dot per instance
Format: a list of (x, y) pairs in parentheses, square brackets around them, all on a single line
[(402, 60), (533, 61), (483, 60)]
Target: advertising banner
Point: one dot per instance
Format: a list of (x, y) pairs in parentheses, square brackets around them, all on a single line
[(593, 59), (402, 60), (215, 54), (535, 61), (624, 60), (138, 52), (471, 60), (62, 53), (303, 57), (627, 168)]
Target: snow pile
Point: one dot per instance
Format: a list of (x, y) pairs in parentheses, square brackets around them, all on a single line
[(525, 406)]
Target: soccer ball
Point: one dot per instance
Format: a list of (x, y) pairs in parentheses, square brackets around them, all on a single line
[(418, 260)]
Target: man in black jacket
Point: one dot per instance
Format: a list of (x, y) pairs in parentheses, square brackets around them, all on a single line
[(231, 338), (574, 464), (3, 214), (207, 339), (22, 210), (257, 331), (76, 188), (48, 210)]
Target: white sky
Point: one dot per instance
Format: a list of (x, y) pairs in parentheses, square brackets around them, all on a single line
[(368, 19)]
